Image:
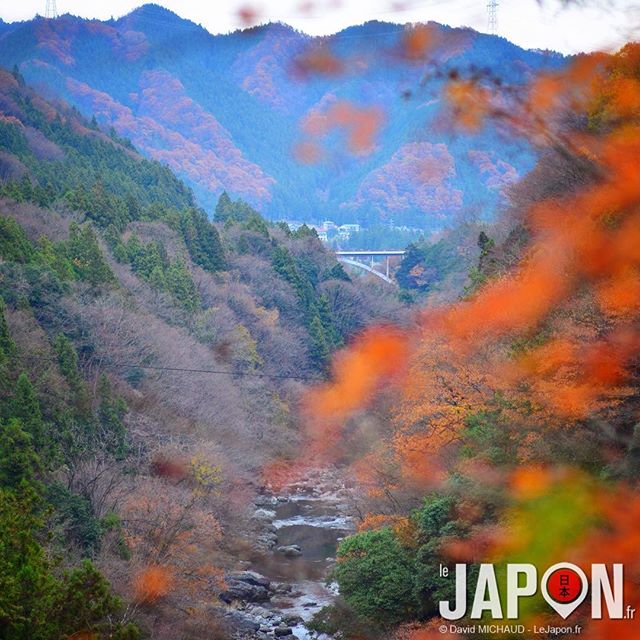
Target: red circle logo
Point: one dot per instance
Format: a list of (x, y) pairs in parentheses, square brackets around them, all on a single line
[(564, 586)]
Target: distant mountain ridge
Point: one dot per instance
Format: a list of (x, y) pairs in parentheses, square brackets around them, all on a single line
[(239, 112)]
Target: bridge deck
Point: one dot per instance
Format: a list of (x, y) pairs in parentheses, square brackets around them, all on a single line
[(373, 252)]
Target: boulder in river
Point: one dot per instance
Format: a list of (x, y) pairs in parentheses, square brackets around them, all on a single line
[(282, 631), (292, 619), (290, 550), (236, 621), (264, 514), (265, 501), (282, 588), (250, 577), (238, 590)]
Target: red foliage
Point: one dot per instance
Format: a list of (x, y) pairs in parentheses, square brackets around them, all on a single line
[(417, 176), (173, 128), (248, 15), (171, 468), (379, 353), (152, 583), (360, 124)]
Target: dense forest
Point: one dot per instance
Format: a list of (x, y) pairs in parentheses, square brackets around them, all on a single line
[(150, 364), (503, 428), (168, 372), (349, 126)]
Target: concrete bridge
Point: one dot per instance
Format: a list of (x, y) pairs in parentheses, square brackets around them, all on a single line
[(356, 258)]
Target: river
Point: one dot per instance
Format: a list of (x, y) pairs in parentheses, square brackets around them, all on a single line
[(297, 532)]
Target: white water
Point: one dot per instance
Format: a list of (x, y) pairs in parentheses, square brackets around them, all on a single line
[(315, 520)]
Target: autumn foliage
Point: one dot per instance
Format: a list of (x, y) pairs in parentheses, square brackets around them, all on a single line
[(152, 583), (544, 351)]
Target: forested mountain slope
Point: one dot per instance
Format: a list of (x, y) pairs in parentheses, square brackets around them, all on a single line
[(149, 364), (515, 435), (267, 113)]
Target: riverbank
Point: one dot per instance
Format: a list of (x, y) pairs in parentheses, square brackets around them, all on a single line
[(296, 532)]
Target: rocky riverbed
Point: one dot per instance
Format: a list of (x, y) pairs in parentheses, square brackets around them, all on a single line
[(296, 531)]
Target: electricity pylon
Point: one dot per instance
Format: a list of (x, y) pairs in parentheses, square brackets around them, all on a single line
[(51, 10), (492, 16)]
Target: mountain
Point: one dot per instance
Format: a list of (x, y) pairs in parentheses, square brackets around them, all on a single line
[(248, 112), (150, 366)]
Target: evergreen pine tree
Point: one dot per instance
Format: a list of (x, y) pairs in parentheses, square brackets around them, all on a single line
[(19, 463), (86, 256), (111, 412), (319, 349), (26, 407), (15, 72), (223, 208), (181, 285), (68, 363)]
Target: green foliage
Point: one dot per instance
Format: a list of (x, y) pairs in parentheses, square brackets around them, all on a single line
[(202, 240), (304, 231), (35, 604), (38, 600), (19, 463), (487, 436), (151, 263), (7, 345), (27, 585), (425, 266), (181, 286), (87, 259), (110, 415), (98, 177), (146, 258), (386, 581), (54, 257), (85, 600), (435, 523), (26, 407), (337, 272), (74, 517), (319, 350), (68, 363), (232, 212), (322, 333), (375, 575), (479, 274), (14, 244)]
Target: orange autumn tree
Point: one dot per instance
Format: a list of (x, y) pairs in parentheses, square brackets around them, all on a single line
[(575, 280), (547, 347)]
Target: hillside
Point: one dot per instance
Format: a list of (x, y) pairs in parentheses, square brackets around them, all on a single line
[(150, 366), (265, 113)]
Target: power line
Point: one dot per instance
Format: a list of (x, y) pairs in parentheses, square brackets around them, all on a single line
[(134, 365)]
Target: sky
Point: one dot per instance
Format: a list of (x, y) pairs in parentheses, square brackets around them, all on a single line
[(584, 25)]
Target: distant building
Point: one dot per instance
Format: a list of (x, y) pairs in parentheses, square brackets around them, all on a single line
[(323, 236), (329, 224), (349, 228)]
